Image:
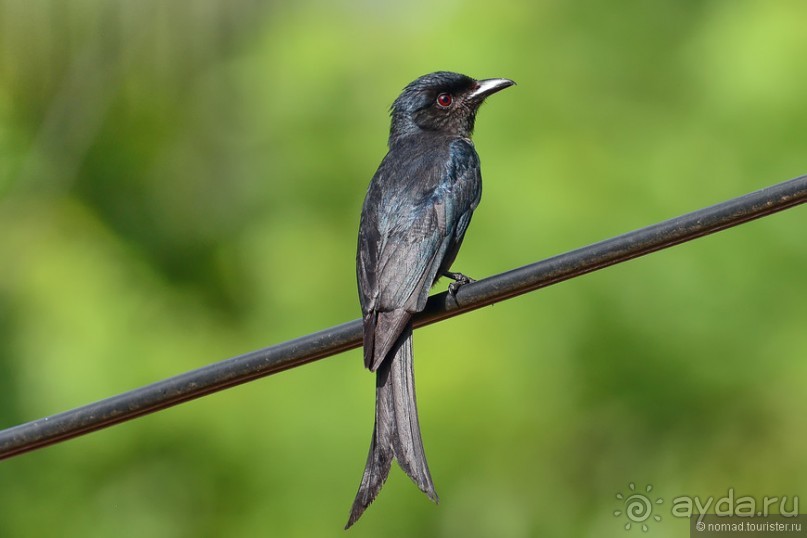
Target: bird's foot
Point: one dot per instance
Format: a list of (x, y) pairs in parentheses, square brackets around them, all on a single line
[(459, 280)]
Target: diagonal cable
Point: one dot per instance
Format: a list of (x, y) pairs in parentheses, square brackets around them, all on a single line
[(230, 372)]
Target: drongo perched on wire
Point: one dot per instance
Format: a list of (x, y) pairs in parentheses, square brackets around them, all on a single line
[(414, 218)]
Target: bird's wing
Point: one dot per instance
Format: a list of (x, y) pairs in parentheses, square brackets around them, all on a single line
[(409, 224)]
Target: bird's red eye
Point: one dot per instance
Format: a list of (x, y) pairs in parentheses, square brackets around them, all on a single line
[(444, 100)]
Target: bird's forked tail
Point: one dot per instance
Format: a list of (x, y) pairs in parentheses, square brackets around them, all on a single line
[(396, 432)]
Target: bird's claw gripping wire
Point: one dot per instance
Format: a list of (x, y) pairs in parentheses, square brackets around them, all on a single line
[(459, 281)]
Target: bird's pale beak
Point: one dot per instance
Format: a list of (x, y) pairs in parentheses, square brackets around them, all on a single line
[(488, 87)]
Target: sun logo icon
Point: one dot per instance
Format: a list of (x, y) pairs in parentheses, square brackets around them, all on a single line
[(638, 507)]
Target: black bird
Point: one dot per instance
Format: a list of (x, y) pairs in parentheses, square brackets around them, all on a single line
[(414, 218)]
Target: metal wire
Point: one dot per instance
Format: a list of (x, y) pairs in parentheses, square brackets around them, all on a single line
[(228, 373)]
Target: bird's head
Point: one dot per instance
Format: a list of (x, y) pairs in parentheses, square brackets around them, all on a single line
[(441, 102)]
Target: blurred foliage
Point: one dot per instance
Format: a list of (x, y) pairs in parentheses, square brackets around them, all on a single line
[(180, 182)]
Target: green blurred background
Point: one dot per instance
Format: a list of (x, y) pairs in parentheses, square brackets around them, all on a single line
[(180, 182)]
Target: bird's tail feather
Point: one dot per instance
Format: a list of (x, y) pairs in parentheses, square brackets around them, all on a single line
[(396, 432)]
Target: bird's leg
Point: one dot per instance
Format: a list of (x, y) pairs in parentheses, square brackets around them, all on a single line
[(459, 280)]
